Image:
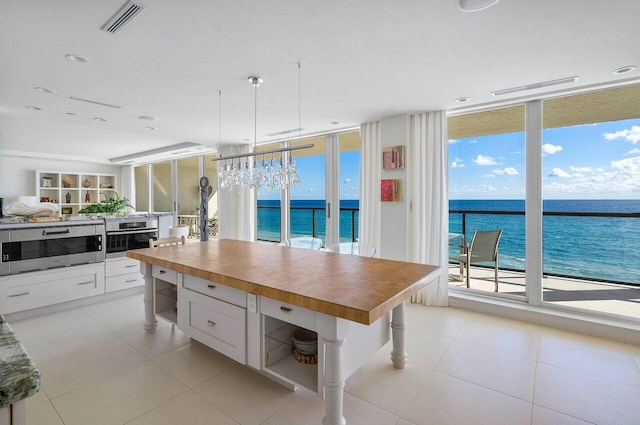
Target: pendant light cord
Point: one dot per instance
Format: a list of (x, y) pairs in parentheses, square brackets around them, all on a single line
[(219, 123)]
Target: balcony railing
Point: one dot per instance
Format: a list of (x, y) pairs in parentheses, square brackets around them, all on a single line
[(591, 246), (310, 221)]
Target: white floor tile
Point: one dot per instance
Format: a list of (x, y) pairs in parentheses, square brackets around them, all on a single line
[(166, 338), (74, 370), (38, 398), (57, 344), (50, 323), (194, 363), (590, 355), (308, 409), (492, 369), (116, 307), (248, 397), (188, 409), (43, 414), (424, 349), (542, 416), (586, 397), (443, 321), (504, 335), (444, 400), (120, 397), (379, 383)]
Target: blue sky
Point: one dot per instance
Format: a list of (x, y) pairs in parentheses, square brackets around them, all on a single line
[(311, 172), (594, 161)]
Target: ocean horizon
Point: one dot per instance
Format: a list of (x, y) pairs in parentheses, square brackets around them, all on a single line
[(603, 248)]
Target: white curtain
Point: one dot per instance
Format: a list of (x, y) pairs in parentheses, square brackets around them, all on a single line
[(370, 174), (428, 197), (236, 208), (128, 187)]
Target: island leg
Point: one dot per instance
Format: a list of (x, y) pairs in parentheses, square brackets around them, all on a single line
[(150, 322), (333, 382), (398, 330)]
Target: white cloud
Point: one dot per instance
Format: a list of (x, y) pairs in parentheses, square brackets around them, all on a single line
[(581, 169), (559, 172), (456, 164), (488, 175), (453, 141), (631, 135), (458, 160), (634, 151), (549, 149), (484, 160), (509, 171), (347, 181)]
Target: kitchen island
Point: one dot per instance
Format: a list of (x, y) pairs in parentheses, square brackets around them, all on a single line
[(229, 293)]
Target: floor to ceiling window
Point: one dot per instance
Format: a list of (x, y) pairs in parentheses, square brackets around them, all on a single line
[(308, 199), (162, 187), (211, 172), (591, 188), (487, 193), (349, 185), (141, 177), (268, 197)]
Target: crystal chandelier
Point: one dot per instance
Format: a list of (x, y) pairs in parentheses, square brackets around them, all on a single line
[(272, 169)]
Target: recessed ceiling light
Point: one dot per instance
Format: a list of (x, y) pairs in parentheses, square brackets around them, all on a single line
[(72, 114), (150, 128), (624, 69), (334, 122), (147, 118), (35, 108), (77, 58), (99, 119), (463, 99), (475, 5), (43, 90)]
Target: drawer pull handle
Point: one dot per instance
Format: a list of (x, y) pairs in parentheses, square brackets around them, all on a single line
[(20, 294), (162, 271), (131, 265), (85, 283), (286, 309), (211, 286), (131, 280), (210, 323)]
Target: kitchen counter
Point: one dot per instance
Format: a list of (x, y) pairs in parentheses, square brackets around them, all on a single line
[(19, 377)]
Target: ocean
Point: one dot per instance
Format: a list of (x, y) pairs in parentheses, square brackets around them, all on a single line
[(606, 248)]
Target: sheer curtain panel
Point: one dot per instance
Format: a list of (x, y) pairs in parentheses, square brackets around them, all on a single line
[(370, 173), (428, 197)]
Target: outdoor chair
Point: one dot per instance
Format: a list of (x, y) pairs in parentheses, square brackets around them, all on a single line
[(483, 249), (303, 242)]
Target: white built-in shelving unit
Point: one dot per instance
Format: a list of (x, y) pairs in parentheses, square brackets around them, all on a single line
[(73, 191)]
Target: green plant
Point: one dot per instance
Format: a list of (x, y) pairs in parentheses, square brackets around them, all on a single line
[(110, 205)]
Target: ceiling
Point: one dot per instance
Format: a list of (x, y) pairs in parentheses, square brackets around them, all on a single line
[(361, 60)]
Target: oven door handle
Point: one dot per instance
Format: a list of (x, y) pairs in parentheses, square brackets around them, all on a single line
[(57, 232), (129, 232)]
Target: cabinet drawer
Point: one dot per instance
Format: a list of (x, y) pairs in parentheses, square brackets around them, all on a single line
[(120, 266), (165, 274), (217, 324), (290, 313), (216, 290), (123, 281), (32, 290)]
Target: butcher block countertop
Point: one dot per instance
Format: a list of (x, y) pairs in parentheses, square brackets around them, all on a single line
[(360, 289)]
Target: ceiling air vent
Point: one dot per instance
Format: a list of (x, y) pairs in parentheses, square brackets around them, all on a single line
[(122, 17)]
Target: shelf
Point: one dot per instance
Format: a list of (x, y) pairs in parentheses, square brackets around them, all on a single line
[(170, 315), (50, 188), (303, 374)]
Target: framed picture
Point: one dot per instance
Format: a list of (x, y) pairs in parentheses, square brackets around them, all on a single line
[(46, 182), (391, 190), (67, 210), (393, 158)]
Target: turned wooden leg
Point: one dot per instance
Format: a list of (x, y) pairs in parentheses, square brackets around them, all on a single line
[(150, 322), (333, 382), (398, 330)]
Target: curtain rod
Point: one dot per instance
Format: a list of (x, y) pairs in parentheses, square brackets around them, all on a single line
[(242, 155)]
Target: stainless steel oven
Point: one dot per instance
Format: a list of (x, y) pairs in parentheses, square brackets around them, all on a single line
[(40, 246), (127, 233)]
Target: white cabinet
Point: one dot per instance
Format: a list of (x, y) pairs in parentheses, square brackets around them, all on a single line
[(38, 289), (165, 283), (122, 273), (73, 191)]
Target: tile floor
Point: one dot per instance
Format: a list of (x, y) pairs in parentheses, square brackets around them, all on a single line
[(99, 367)]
